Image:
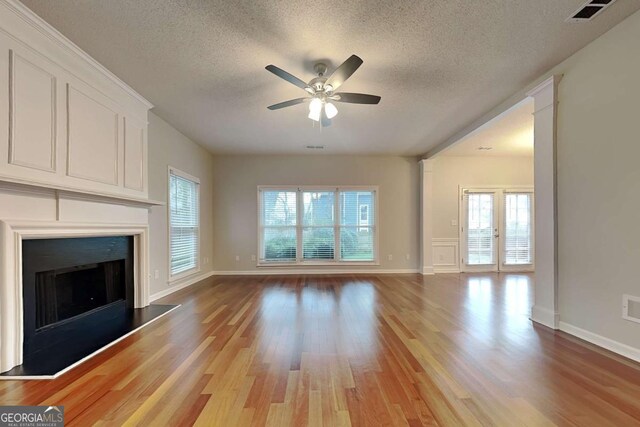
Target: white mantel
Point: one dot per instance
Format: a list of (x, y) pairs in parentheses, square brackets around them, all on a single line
[(73, 157), (28, 212)]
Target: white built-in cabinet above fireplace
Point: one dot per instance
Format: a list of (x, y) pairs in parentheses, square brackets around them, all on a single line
[(65, 121)]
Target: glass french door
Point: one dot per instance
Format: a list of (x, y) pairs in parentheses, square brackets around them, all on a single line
[(497, 230)]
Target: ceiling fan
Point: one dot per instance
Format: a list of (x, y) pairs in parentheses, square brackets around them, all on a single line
[(323, 90)]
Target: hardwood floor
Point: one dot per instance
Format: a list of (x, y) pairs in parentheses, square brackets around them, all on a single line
[(368, 350)]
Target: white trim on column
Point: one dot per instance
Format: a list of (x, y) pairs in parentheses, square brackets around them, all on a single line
[(548, 318), (545, 95), (12, 233), (426, 217)]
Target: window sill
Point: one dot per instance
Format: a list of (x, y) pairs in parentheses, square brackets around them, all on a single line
[(317, 264)]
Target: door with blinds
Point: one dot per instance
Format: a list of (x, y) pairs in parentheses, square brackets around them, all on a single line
[(497, 229)]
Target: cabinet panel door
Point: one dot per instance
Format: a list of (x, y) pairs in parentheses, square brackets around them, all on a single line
[(134, 155), (32, 115), (92, 146)]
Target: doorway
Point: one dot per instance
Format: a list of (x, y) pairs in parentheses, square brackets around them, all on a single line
[(497, 229)]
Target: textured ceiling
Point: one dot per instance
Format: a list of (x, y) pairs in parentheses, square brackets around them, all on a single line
[(508, 135), (438, 65)]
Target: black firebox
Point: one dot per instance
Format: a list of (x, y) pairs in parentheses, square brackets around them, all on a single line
[(75, 291)]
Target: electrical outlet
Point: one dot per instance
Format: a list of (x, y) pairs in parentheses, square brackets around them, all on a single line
[(237, 258), (205, 260), (253, 257), (390, 257), (454, 222), (156, 274)]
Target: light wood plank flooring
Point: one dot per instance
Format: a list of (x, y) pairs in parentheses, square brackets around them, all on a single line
[(365, 350)]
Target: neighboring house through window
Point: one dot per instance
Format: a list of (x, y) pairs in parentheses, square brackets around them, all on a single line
[(317, 225), (184, 224)]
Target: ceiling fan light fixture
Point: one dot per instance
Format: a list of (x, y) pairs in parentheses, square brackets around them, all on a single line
[(331, 110), (315, 114), (323, 89), (315, 105)]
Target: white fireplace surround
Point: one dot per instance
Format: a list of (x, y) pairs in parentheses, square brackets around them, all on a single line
[(12, 233)]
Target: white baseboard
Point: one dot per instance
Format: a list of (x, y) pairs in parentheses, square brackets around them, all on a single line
[(604, 342), (269, 271), (427, 271), (452, 269), (545, 317), (180, 285), (273, 272)]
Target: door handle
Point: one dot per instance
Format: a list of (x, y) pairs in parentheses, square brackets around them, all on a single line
[(496, 235)]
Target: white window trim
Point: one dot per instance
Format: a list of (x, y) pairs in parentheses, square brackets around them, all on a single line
[(315, 263), (183, 274)]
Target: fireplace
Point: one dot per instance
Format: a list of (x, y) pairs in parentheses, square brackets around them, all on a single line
[(74, 290), (64, 293), (49, 321)]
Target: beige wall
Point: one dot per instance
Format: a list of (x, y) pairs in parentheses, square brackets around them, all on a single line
[(449, 173), (168, 147), (598, 153), (235, 201)]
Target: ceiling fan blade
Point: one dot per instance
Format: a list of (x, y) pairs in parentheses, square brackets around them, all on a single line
[(356, 98), (287, 103), (324, 120), (343, 72), (286, 76)]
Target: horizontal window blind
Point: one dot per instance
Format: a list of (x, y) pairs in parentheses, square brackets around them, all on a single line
[(517, 241), (357, 225), (480, 241), (318, 234), (279, 226), (184, 218), (310, 225)]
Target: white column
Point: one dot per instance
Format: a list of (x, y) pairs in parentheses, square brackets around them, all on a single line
[(545, 309), (426, 216)]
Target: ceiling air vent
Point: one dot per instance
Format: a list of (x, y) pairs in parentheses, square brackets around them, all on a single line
[(590, 10)]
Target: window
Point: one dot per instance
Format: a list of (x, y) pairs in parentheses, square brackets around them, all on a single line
[(480, 229), (279, 224), (317, 225), (318, 231), (357, 241), (517, 229), (184, 223)]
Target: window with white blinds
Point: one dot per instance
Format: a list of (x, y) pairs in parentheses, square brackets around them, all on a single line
[(517, 231), (184, 223), (317, 225), (357, 225), (480, 229), (279, 219), (318, 231)]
